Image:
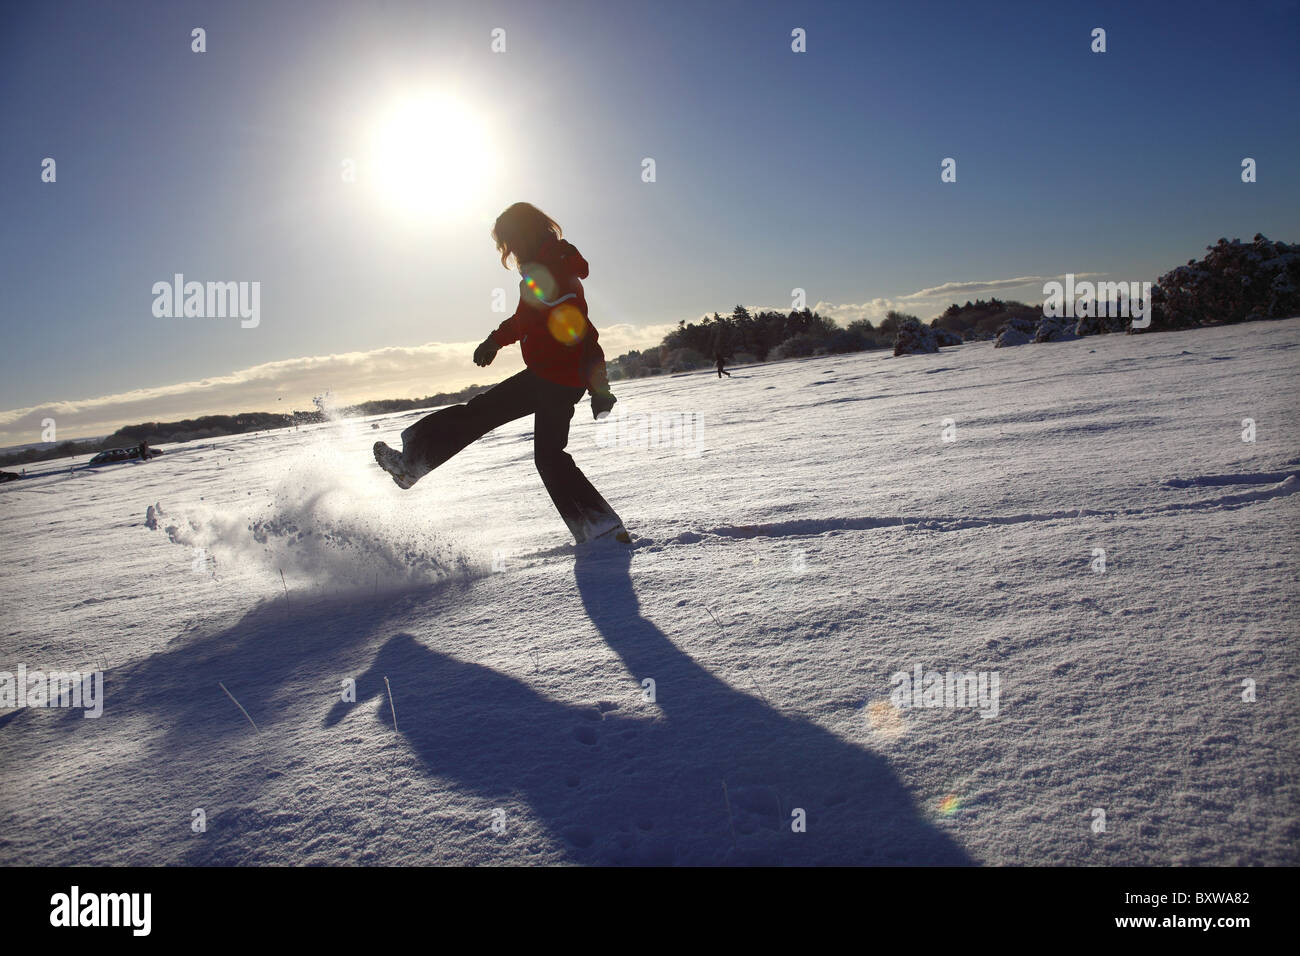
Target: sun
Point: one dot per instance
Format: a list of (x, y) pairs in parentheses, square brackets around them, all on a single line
[(432, 156)]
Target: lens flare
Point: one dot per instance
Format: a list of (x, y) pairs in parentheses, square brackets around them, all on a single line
[(566, 324), (885, 719), (538, 282), (949, 805)]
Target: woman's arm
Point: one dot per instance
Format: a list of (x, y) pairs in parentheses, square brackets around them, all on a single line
[(510, 331), (596, 376)]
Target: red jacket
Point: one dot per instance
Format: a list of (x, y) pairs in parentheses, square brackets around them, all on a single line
[(558, 340)]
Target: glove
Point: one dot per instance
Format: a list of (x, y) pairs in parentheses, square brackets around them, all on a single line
[(601, 403), (486, 352)]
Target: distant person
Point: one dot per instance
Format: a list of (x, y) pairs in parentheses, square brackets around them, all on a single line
[(719, 362), (144, 451), (562, 352)]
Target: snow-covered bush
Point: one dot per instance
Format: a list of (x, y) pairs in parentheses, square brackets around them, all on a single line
[(915, 338), (797, 346), (1099, 324), (1235, 282), (947, 337), (1017, 330), (683, 360), (1055, 329), (638, 364)]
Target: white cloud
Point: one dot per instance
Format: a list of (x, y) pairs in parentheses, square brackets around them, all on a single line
[(935, 299), (873, 309), (977, 288)]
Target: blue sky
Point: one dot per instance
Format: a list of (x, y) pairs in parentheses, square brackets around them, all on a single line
[(774, 170)]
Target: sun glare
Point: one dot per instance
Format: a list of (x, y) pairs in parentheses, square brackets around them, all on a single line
[(432, 157)]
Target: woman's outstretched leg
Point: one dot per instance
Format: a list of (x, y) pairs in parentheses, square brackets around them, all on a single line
[(440, 435), (585, 512)]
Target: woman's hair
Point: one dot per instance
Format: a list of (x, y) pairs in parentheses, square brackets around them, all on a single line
[(521, 230)]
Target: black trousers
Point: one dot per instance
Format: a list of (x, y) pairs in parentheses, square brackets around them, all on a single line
[(437, 437)]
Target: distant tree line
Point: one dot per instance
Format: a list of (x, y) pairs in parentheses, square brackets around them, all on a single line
[(155, 433), (220, 426), (385, 405), (744, 336), (1235, 282), (979, 320)]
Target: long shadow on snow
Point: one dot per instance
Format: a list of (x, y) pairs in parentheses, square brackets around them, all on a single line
[(269, 659), (269, 652), (634, 782)]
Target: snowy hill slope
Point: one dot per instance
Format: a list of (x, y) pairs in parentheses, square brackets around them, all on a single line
[(819, 538)]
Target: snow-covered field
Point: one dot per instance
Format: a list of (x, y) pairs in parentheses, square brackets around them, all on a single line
[(820, 536)]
